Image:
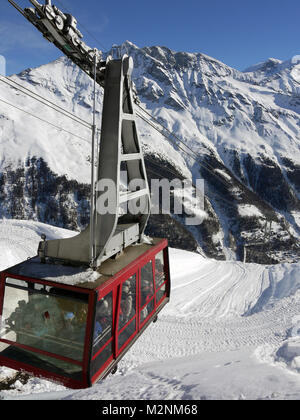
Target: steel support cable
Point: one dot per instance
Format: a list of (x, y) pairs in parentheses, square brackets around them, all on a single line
[(75, 135), (45, 121), (81, 138), (85, 123), (83, 26), (36, 96), (45, 101), (216, 196), (58, 1), (195, 156), (159, 131), (16, 6)]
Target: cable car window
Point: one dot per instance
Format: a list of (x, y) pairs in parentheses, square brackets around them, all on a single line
[(48, 319), (147, 310), (16, 282), (160, 277), (128, 301), (161, 293), (147, 291), (126, 333), (127, 314), (103, 324)]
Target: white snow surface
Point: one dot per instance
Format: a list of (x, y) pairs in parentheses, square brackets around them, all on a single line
[(249, 210), (230, 331), (210, 106), (27, 134)]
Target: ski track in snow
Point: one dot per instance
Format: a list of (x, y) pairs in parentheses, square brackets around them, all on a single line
[(216, 308), (194, 334)]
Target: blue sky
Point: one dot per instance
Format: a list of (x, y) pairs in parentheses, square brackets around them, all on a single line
[(239, 33)]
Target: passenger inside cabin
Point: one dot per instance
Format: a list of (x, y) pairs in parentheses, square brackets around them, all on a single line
[(103, 316), (146, 283), (147, 290), (126, 303), (159, 273)]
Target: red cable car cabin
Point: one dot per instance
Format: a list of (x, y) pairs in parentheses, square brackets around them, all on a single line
[(72, 324)]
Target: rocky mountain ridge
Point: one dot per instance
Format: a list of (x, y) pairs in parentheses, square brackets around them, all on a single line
[(243, 130)]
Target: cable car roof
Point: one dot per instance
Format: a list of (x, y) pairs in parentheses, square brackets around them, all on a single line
[(85, 277)]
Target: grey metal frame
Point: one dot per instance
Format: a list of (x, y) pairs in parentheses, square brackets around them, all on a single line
[(108, 233), (119, 143)]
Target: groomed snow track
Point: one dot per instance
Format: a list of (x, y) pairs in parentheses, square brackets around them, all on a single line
[(226, 322)]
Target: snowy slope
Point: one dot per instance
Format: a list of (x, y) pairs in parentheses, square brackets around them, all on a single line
[(229, 332), (244, 126), (23, 135), (218, 104), (28, 136), (208, 104)]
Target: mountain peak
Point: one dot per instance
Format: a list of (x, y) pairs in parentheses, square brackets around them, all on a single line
[(264, 66)]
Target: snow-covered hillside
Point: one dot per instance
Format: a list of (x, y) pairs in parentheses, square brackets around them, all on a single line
[(229, 332), (242, 128)]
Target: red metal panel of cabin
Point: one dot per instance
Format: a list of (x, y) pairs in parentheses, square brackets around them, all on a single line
[(2, 283), (132, 267), (115, 284)]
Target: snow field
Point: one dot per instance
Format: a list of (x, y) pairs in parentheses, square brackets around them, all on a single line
[(230, 331)]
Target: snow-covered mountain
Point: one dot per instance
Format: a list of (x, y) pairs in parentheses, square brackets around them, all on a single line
[(243, 129)]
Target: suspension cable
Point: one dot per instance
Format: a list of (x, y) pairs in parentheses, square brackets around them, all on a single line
[(16, 6), (182, 142), (45, 101), (83, 26), (191, 154), (45, 121), (215, 195)]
